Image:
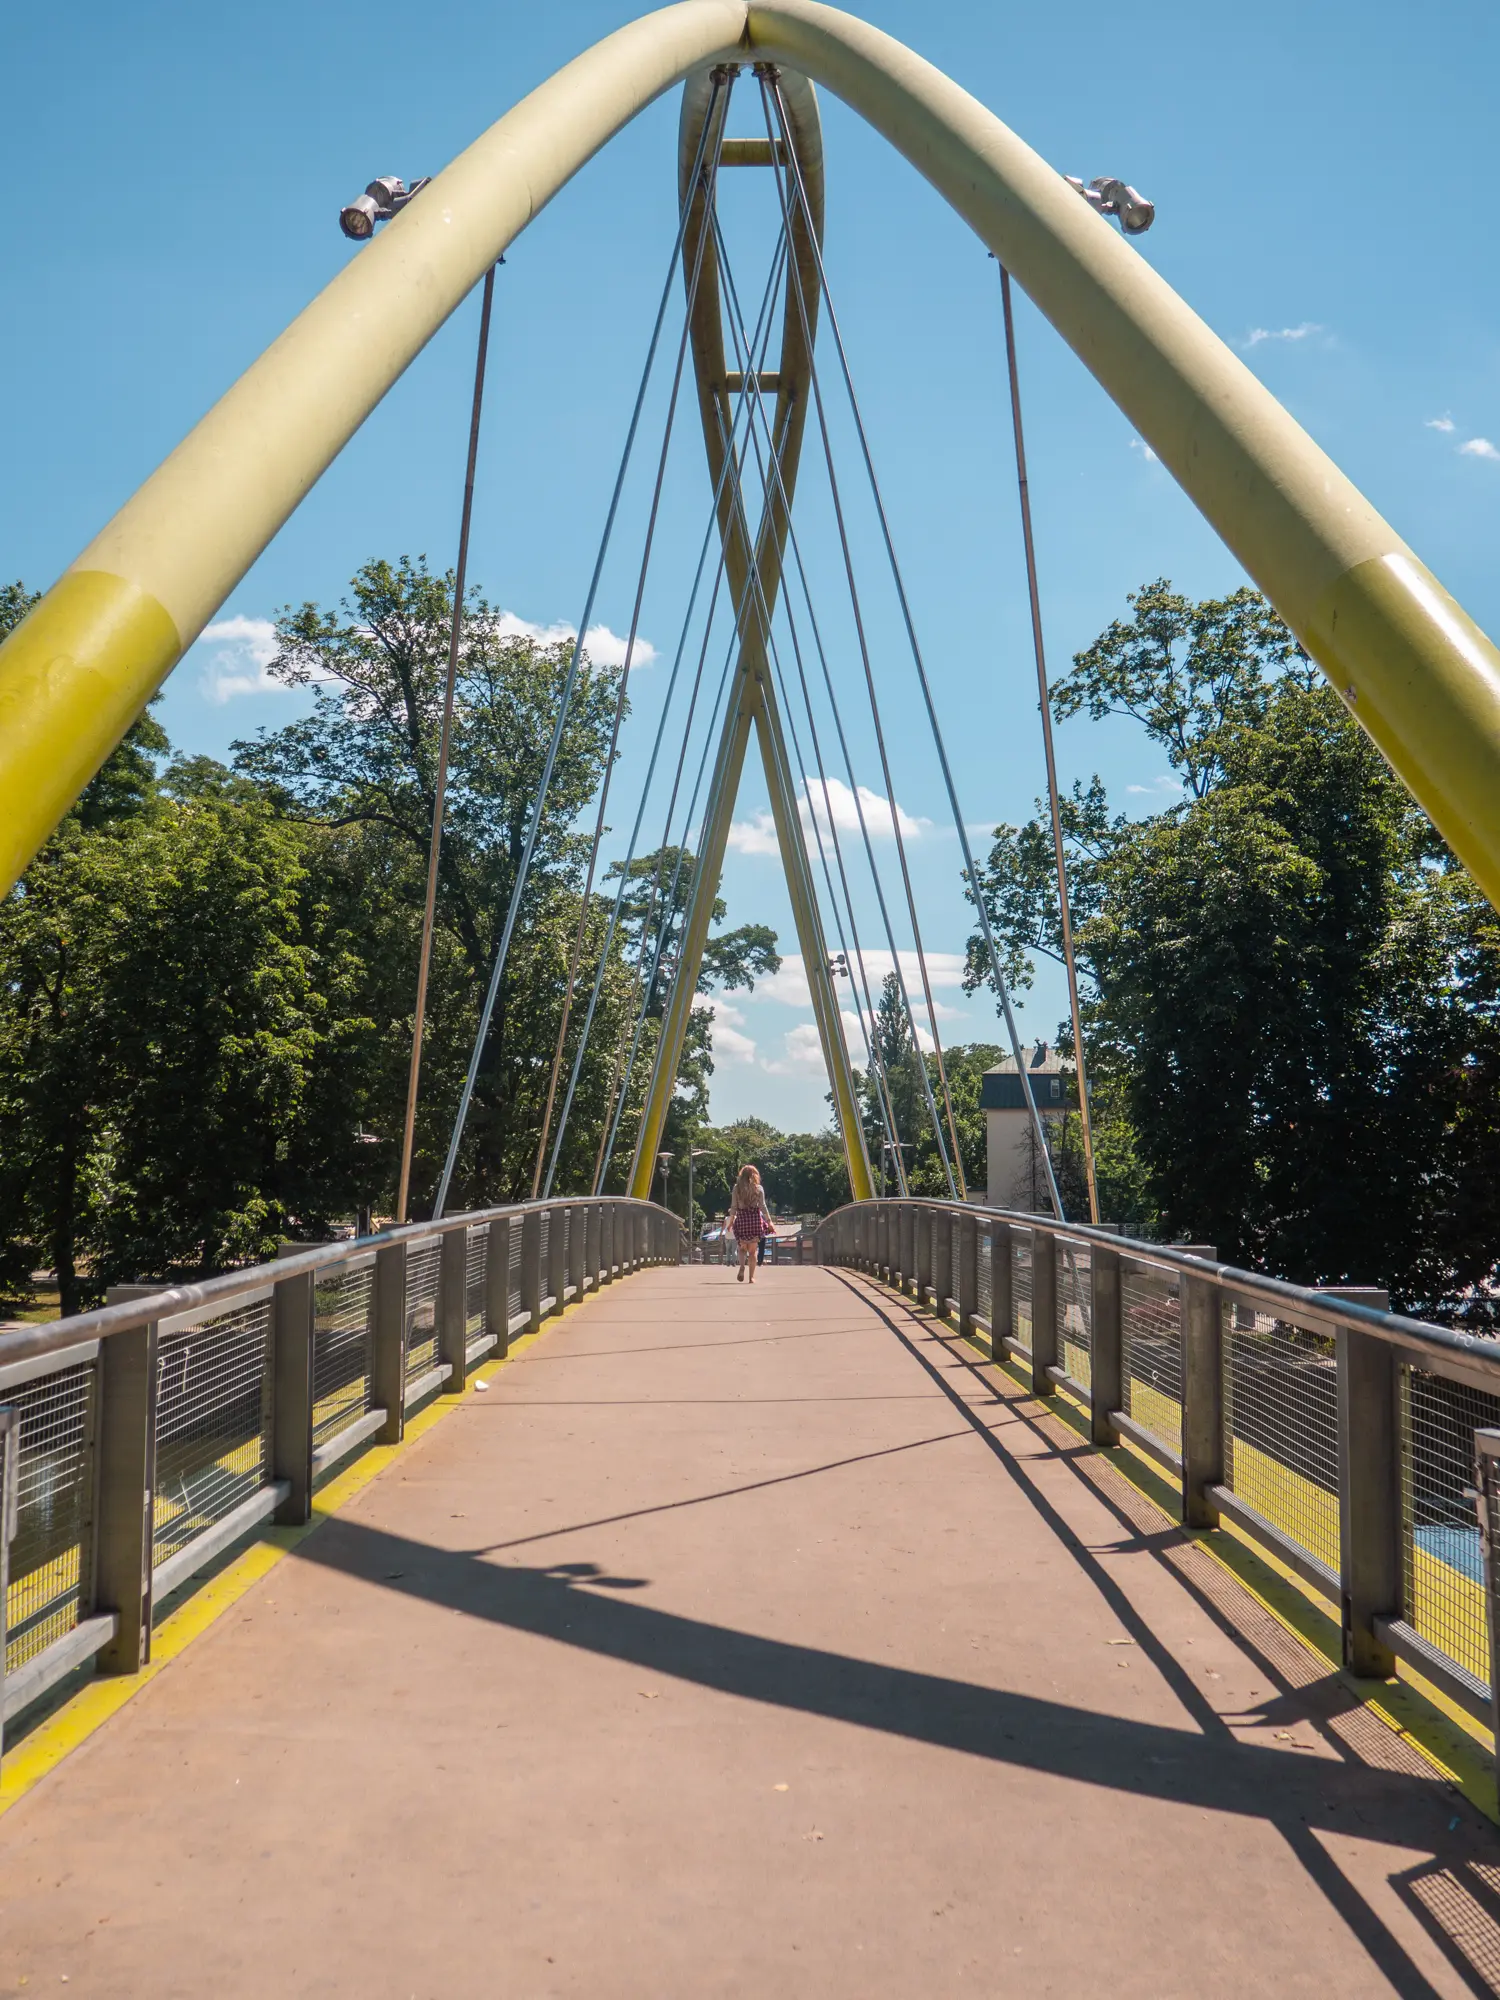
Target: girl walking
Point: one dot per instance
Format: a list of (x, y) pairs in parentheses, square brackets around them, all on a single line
[(749, 1219)]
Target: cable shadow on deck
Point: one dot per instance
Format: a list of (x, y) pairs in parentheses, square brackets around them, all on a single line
[(578, 1604)]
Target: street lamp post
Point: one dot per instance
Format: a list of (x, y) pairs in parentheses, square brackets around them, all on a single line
[(664, 1160)]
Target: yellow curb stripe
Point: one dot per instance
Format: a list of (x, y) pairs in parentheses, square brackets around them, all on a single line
[(45, 1748), (1441, 1733)]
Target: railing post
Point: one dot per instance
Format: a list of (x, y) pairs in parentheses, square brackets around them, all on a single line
[(497, 1285), (531, 1268), (388, 1359), (1043, 1311), (577, 1262), (453, 1307), (557, 1256), (124, 1495), (1002, 1290), (1370, 1582), (606, 1242), (591, 1220), (967, 1287), (904, 1238), (1107, 1360), (1201, 1306), (292, 1396), (922, 1261), (943, 1223)]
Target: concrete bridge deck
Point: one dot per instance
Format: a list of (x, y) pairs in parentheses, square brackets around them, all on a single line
[(746, 1641)]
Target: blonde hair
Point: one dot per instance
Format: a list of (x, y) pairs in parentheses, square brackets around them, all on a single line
[(747, 1187)]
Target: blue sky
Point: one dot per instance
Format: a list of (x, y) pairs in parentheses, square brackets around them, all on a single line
[(1322, 177)]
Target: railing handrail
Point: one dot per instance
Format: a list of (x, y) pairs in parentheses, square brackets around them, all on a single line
[(1323, 1309), (54, 1335)]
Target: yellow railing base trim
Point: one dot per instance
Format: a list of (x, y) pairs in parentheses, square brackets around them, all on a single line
[(60, 1734)]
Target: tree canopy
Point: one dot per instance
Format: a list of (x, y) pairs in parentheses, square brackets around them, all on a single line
[(1293, 988)]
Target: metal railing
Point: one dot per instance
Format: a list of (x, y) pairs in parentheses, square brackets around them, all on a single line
[(143, 1440), (1338, 1435)]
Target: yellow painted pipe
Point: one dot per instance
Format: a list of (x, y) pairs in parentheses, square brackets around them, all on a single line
[(1421, 677)]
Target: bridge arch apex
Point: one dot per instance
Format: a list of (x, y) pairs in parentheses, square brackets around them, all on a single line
[(1416, 671)]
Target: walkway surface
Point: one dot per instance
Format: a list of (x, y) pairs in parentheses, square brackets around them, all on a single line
[(745, 1641)]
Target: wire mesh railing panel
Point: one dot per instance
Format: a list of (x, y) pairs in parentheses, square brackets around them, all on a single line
[(1281, 1438), (474, 1262), (54, 1505), (1075, 1311), (544, 1249), (984, 1291), (343, 1336), (1444, 1583), (423, 1264), (1020, 1280), (513, 1289), (1151, 1340), (213, 1422), (568, 1246)]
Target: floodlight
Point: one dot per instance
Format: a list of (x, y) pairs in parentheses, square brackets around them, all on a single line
[(1106, 196)]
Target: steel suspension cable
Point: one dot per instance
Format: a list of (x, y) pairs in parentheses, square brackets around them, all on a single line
[(753, 390), (887, 1103), (440, 788), (614, 740), (1023, 486), (919, 1059), (565, 701), (615, 1104), (635, 831), (937, 735)]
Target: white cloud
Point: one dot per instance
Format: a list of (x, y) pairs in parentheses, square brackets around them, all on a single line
[(802, 1053), (1439, 423), (840, 802), (1479, 448), (1140, 445), (239, 666), (757, 835), (754, 836), (1166, 783), (604, 648), (1257, 334), (729, 1044), (789, 988)]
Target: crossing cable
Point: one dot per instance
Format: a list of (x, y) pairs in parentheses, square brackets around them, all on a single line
[(959, 1192), (614, 740), (791, 720), (569, 684), (877, 1059), (1024, 488), (752, 388), (919, 1060), (769, 78), (440, 789), (604, 1136), (670, 909), (614, 1104), (635, 831), (888, 1109)]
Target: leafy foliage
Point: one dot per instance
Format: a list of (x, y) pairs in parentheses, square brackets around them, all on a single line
[(1293, 987)]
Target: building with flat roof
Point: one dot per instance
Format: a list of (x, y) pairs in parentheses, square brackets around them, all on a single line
[(1015, 1176)]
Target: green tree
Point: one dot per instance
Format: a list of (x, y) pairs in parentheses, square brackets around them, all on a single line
[(1291, 984), (158, 1021), (361, 767)]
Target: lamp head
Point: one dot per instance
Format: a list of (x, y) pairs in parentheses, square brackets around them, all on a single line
[(1107, 196), (382, 199)]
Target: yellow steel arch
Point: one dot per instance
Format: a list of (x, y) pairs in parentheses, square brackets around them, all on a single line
[(1417, 672)]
